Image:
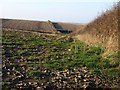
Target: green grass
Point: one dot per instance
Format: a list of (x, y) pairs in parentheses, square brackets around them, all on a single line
[(56, 54)]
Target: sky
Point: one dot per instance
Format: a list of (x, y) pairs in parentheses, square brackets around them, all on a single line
[(73, 11)]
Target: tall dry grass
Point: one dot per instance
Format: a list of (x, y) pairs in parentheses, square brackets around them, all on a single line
[(104, 30)]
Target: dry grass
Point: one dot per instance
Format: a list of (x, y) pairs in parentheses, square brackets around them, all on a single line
[(103, 30), (71, 27), (37, 26)]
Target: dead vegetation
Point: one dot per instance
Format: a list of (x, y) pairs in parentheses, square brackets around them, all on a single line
[(71, 27), (103, 30), (38, 26)]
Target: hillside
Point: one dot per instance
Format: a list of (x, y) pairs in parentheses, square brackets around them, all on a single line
[(103, 30), (71, 27), (39, 26), (39, 55)]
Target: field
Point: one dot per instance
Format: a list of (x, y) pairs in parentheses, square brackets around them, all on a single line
[(37, 61), (39, 26)]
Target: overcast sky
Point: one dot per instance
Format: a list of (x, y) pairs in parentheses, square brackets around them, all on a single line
[(73, 11)]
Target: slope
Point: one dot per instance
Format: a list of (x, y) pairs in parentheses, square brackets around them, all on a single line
[(103, 30)]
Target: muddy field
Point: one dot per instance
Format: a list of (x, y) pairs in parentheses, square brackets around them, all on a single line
[(35, 61)]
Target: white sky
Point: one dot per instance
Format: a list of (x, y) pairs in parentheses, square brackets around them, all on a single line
[(75, 11)]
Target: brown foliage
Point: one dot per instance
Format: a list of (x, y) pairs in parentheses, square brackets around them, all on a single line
[(27, 25), (37, 26), (71, 27), (103, 30)]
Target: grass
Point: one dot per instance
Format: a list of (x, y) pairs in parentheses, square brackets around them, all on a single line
[(41, 51)]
